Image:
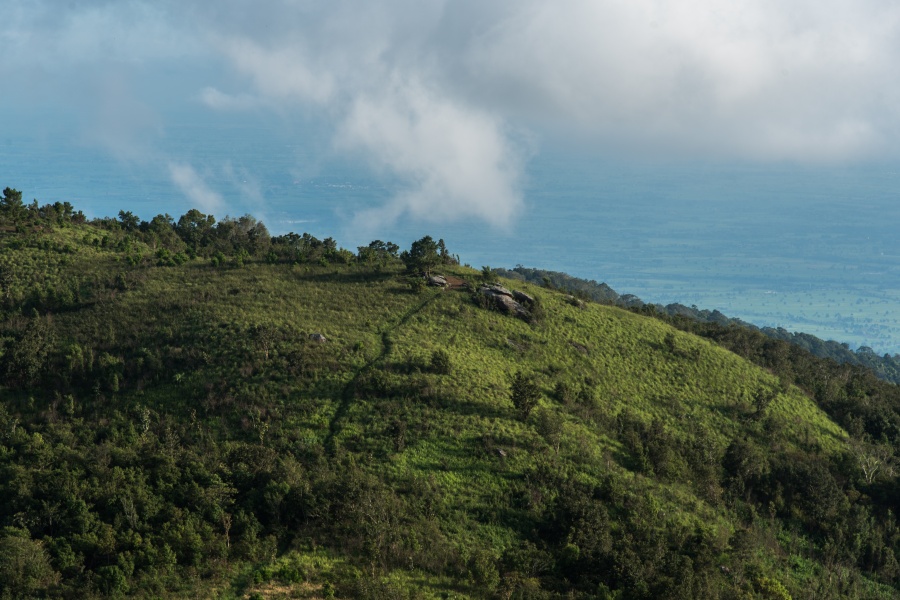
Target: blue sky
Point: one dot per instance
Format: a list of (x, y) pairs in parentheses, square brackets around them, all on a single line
[(453, 99)]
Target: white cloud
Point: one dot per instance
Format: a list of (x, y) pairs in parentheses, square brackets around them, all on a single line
[(456, 160), (285, 73), (738, 79), (220, 101), (429, 90), (195, 189)]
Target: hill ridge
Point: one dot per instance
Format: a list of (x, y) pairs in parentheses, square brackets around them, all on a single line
[(169, 429)]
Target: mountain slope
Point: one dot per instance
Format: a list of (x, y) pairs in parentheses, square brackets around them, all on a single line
[(172, 426)]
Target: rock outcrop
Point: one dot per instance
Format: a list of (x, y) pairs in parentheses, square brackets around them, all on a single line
[(503, 300), (522, 297)]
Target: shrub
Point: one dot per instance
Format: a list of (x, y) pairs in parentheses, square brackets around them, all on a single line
[(24, 565), (563, 392), (440, 362), (524, 393), (416, 284)]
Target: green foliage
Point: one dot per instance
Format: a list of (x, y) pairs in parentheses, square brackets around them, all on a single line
[(549, 425), (416, 284), (11, 204), (440, 362), (28, 355), (425, 254), (524, 394), (25, 568), (771, 589), (168, 429), (422, 256)]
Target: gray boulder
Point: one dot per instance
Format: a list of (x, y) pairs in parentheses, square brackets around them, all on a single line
[(522, 297), (318, 337), (502, 300)]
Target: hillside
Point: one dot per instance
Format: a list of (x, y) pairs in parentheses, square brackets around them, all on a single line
[(885, 366), (172, 425)]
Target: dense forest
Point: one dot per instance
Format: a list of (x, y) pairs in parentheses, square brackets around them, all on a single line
[(193, 407), (887, 366)]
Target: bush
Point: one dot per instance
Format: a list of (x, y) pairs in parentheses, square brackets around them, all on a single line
[(24, 565), (563, 392), (524, 393), (416, 284), (440, 362)]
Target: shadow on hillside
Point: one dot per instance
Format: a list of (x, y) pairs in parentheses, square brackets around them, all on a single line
[(473, 409), (736, 412), (347, 277), (348, 393), (475, 459), (446, 590), (517, 519)]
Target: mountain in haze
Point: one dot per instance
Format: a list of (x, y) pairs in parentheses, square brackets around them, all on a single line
[(194, 408)]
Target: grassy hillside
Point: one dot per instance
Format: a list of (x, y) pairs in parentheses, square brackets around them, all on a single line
[(886, 366), (169, 427)]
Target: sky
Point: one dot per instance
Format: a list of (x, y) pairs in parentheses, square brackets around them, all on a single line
[(454, 100)]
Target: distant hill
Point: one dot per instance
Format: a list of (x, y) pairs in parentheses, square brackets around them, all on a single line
[(886, 366), (192, 408)]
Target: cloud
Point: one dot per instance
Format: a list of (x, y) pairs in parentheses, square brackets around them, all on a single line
[(195, 189), (220, 101), (431, 92), (751, 79), (456, 160), (283, 74)]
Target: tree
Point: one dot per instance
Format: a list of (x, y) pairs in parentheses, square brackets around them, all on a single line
[(30, 353), (377, 252), (440, 362), (129, 220), (194, 228), (550, 427), (524, 393), (444, 254), (11, 203), (161, 232), (873, 459), (422, 257), (25, 568), (762, 400), (745, 464), (242, 233)]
